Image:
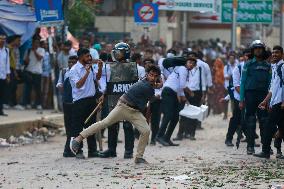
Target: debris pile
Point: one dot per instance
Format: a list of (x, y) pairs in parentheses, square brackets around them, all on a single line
[(34, 136)]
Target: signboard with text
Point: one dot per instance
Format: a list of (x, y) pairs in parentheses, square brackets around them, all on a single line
[(248, 11), (49, 12), (186, 5)]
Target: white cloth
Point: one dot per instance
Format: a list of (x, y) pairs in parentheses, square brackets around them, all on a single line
[(206, 72), (228, 72), (177, 80), (277, 91), (4, 63), (193, 82), (35, 65), (77, 72)]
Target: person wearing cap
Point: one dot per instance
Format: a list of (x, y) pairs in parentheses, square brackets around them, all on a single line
[(4, 70), (276, 98), (255, 81), (84, 94)]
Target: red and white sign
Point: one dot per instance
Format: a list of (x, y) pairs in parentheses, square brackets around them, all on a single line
[(146, 13)]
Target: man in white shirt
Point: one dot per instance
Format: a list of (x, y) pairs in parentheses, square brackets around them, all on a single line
[(63, 56), (82, 78), (33, 60), (276, 97), (4, 70), (196, 86), (172, 94)]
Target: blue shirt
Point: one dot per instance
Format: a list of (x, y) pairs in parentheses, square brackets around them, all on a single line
[(77, 72)]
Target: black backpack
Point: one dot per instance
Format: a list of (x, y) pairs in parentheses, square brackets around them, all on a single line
[(279, 73), (173, 62)]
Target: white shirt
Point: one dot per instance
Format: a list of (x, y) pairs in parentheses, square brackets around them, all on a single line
[(141, 72), (61, 79), (177, 80), (35, 65), (94, 53), (4, 63), (77, 72), (164, 71), (237, 80), (193, 82), (206, 72), (228, 72), (277, 91)]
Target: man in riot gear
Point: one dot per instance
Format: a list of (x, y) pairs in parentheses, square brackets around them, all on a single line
[(255, 80), (117, 72)]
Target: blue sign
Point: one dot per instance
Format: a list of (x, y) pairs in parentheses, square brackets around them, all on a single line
[(146, 14), (49, 12)]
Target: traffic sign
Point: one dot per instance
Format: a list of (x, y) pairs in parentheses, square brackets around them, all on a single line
[(248, 11), (146, 14)]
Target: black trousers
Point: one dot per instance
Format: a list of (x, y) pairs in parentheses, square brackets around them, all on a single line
[(170, 109), (155, 108), (32, 81), (276, 118), (10, 95), (253, 99), (2, 93), (81, 110), (187, 125), (235, 120), (68, 111), (128, 134)]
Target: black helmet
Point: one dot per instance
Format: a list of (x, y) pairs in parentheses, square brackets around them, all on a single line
[(257, 43), (121, 51)]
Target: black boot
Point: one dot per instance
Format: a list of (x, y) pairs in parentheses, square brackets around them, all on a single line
[(229, 143), (262, 155), (107, 153)]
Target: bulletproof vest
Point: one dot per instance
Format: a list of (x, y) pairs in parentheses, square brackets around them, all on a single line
[(67, 91), (258, 75)]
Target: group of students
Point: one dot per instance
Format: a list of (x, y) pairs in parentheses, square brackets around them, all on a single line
[(255, 86), (162, 88)]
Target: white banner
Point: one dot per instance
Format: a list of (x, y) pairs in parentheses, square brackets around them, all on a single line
[(186, 5)]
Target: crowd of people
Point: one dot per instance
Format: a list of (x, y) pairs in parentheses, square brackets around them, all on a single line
[(199, 72)]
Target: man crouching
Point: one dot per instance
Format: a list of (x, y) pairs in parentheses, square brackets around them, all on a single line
[(129, 108)]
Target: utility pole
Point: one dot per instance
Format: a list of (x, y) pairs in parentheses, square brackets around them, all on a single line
[(184, 27), (282, 24), (234, 25)]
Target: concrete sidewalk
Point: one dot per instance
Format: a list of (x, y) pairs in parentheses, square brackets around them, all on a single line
[(19, 121)]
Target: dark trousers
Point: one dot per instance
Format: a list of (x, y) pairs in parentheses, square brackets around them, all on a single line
[(155, 108), (170, 109), (2, 90), (187, 125), (11, 89), (32, 81), (235, 120), (81, 110), (276, 117), (128, 134), (252, 100), (68, 111)]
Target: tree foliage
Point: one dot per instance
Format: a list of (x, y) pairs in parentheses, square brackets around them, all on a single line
[(81, 15)]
